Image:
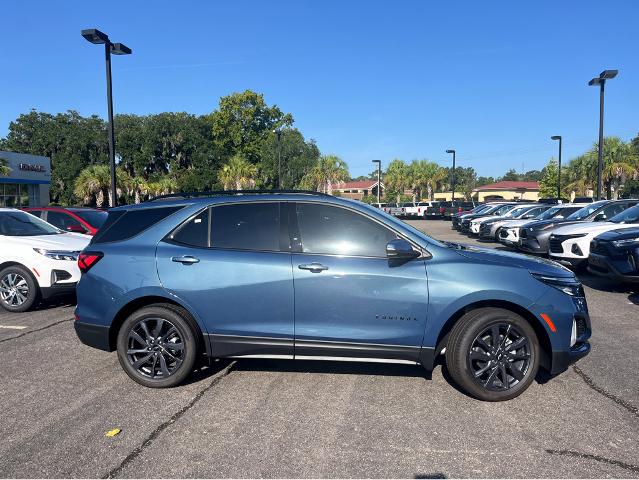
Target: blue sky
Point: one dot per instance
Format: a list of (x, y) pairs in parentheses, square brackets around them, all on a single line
[(366, 79)]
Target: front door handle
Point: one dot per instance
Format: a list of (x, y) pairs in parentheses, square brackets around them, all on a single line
[(313, 267), (186, 259)]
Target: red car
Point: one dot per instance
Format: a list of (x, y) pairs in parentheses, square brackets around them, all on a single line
[(72, 219)]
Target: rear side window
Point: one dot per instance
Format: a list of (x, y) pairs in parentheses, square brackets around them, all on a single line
[(246, 226), (124, 224)]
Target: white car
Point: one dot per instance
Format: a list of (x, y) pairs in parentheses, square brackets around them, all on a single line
[(509, 232), (417, 209), (501, 212), (37, 260), (570, 245)]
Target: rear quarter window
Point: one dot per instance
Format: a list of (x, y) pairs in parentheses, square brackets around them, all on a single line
[(124, 224)]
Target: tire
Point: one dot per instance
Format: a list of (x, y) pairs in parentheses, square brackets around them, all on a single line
[(487, 373), (151, 357), (19, 291)]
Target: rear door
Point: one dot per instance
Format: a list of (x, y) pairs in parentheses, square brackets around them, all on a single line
[(350, 299), (232, 264)]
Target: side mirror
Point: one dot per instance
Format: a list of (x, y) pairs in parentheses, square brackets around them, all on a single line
[(600, 217), (77, 228), (400, 249)]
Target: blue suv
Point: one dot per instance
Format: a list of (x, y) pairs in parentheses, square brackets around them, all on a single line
[(302, 275)]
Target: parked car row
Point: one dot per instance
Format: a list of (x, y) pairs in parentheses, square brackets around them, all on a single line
[(602, 236), (429, 209)]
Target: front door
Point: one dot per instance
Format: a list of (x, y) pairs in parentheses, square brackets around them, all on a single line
[(350, 299), (236, 275)]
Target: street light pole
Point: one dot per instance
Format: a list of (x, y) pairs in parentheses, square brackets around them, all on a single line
[(379, 179), (558, 137), (453, 179), (278, 132), (601, 81), (97, 37)]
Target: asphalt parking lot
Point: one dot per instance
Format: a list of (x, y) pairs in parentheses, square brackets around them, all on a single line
[(259, 418)]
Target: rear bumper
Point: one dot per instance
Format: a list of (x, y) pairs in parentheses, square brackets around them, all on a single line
[(58, 289), (563, 359), (96, 336)]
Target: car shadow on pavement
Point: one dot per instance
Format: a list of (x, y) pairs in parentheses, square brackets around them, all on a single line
[(332, 367), (206, 370), (58, 301), (605, 285)]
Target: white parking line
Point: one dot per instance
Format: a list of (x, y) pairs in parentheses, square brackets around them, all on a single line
[(12, 327)]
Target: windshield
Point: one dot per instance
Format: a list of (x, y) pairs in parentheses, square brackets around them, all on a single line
[(95, 218), (630, 215), (516, 212), (550, 213), (587, 210), (504, 209), (22, 224)]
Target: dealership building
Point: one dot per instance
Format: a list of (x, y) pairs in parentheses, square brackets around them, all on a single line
[(28, 181)]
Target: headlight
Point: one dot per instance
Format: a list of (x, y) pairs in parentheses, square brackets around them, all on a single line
[(569, 285), (58, 254), (628, 242)]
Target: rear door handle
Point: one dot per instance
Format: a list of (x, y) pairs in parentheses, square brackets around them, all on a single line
[(186, 259), (313, 267)]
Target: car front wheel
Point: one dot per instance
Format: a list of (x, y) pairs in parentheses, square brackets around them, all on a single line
[(18, 289), (157, 346), (493, 354)]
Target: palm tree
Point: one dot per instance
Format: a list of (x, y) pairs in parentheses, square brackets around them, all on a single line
[(91, 184), (140, 188), (620, 163), (237, 173), (4, 168), (161, 186), (396, 178), (330, 170)]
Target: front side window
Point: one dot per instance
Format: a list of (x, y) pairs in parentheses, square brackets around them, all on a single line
[(62, 220), (586, 211), (325, 229), (630, 215), (246, 226)]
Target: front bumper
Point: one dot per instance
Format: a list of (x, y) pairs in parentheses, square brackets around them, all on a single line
[(58, 289), (572, 262), (563, 359), (96, 336), (603, 266)]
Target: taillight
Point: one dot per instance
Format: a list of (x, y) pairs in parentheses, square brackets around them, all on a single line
[(459, 210), (419, 210), (86, 260), (441, 209)]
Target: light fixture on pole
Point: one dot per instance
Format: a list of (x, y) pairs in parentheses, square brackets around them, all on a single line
[(379, 179), (601, 81), (453, 176), (558, 137), (98, 38)]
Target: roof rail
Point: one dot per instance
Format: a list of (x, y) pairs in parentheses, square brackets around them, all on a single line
[(212, 193)]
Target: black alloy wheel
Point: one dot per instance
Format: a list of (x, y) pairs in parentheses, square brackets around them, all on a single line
[(157, 345), (493, 354)]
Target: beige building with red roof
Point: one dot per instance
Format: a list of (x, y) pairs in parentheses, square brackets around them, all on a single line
[(507, 190), (357, 190)]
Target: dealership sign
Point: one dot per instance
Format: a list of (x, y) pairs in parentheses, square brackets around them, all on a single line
[(31, 167)]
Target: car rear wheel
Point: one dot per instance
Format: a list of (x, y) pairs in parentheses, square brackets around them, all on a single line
[(18, 289), (493, 354), (157, 346)]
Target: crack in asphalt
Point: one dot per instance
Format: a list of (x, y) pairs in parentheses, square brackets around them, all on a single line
[(619, 401), (163, 426), (37, 330), (597, 458)]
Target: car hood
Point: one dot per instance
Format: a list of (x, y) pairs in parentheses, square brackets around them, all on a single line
[(590, 228), (516, 223), (619, 234), (530, 263), (62, 241)]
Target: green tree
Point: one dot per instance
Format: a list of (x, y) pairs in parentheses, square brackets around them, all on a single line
[(298, 157), (620, 163), (329, 171), (243, 122), (238, 173), (511, 175), (91, 184), (548, 181), (397, 178), (4, 168)]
